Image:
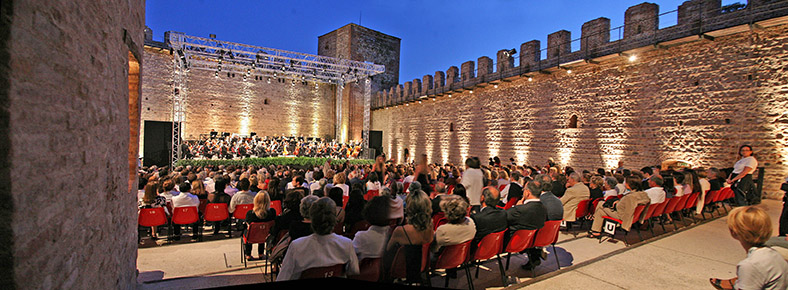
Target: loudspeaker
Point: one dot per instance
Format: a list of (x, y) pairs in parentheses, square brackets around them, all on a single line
[(376, 141), (158, 143)]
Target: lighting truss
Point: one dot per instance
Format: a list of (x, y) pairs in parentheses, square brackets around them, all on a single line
[(228, 57), (224, 56)]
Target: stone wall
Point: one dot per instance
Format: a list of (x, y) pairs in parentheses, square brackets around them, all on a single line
[(230, 104), (696, 101), (358, 43), (65, 106)]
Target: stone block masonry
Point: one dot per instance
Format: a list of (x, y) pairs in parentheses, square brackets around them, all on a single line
[(230, 104), (66, 104), (697, 101)]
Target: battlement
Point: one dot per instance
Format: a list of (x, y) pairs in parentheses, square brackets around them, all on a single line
[(695, 20)]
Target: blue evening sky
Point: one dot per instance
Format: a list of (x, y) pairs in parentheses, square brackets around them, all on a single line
[(435, 34)]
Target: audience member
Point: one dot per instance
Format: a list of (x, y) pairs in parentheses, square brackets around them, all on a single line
[(529, 214), (243, 196), (324, 247), (262, 212), (372, 242), (576, 191), (623, 209)]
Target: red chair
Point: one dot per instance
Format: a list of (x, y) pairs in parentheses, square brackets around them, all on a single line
[(240, 213), (398, 269), (518, 242), (216, 212), (652, 208), (439, 219), (450, 190), (680, 207), (580, 213), (671, 206), (594, 204), (186, 215), (548, 236), (710, 198), (510, 203), (370, 194), (370, 270), (277, 206), (501, 187), (405, 187), (453, 257), (241, 210), (203, 203), (323, 272), (635, 217), (256, 233), (490, 246), (151, 217)]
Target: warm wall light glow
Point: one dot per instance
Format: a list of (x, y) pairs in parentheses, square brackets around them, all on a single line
[(633, 58), (530, 79), (569, 71)]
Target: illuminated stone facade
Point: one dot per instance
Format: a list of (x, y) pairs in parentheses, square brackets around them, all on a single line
[(696, 101)]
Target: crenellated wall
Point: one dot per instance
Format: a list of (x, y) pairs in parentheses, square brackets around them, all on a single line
[(686, 94)]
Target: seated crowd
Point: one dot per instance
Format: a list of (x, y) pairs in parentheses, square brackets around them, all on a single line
[(235, 146), (346, 214)]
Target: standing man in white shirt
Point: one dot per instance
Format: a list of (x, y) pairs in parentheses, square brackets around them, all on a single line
[(473, 180)]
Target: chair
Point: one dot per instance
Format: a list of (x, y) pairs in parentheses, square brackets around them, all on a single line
[(240, 213), (581, 212), (490, 246), (344, 201), (501, 187), (398, 264), (203, 203), (652, 208), (186, 215), (680, 206), (256, 233), (277, 206), (671, 207), (450, 190), (518, 242), (452, 257), (217, 212), (638, 211), (370, 270), (711, 196), (323, 272), (594, 204), (439, 219), (510, 203), (548, 236), (370, 194), (151, 217), (405, 187)]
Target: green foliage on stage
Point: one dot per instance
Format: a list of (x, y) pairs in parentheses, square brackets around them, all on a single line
[(267, 161)]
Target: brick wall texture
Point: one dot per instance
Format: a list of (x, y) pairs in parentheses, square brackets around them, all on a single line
[(697, 102), (230, 104), (73, 218)]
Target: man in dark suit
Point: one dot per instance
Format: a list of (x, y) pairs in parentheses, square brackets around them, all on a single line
[(490, 219), (528, 214)]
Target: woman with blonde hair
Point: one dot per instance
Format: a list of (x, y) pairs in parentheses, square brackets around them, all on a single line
[(261, 212), (339, 181), (764, 268), (417, 232)]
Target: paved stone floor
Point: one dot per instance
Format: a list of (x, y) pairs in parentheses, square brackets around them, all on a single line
[(678, 259)]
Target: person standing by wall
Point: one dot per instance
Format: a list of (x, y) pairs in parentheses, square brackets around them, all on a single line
[(741, 178)]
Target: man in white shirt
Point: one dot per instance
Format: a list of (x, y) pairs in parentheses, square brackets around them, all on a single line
[(655, 192), (243, 196), (185, 199), (473, 180)]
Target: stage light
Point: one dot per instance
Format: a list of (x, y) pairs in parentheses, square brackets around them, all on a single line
[(216, 74), (449, 95), (274, 74), (269, 80), (530, 79), (471, 91), (569, 71), (633, 58), (495, 86)]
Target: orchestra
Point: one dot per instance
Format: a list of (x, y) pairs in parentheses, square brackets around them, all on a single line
[(211, 146)]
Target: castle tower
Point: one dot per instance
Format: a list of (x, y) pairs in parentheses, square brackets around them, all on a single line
[(355, 42)]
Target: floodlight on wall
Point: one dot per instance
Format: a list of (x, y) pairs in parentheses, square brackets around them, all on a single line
[(495, 86), (530, 79), (633, 58), (510, 52), (569, 71)]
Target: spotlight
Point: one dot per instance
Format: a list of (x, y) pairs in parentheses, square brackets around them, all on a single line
[(269, 80), (471, 91), (569, 71), (216, 74), (419, 102), (220, 68), (495, 86), (449, 95), (633, 58), (274, 74), (530, 79)]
